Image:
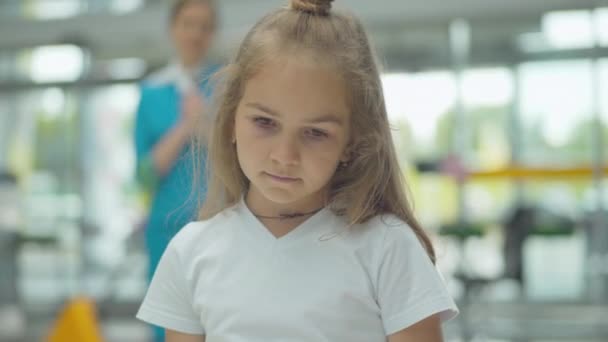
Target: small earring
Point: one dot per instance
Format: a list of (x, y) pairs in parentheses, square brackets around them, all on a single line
[(342, 165)]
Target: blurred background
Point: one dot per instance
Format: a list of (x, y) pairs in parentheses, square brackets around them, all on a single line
[(500, 116)]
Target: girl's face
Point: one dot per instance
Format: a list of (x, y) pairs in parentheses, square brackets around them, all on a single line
[(291, 131), (192, 32)]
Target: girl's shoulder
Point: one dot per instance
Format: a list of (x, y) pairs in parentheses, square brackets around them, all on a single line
[(387, 231), (199, 234)]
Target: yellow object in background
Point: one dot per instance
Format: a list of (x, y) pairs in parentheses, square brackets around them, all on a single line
[(544, 173), (77, 323)]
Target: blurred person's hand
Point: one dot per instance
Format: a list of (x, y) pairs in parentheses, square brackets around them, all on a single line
[(192, 108)]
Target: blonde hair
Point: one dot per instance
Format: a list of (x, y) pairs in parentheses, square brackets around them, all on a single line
[(372, 183)]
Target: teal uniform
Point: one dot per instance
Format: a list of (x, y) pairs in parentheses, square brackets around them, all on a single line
[(174, 203)]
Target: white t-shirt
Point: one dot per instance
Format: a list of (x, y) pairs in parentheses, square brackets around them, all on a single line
[(230, 279)]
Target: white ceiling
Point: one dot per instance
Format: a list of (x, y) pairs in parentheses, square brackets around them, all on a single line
[(394, 24)]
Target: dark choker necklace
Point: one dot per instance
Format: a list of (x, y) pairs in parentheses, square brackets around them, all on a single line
[(288, 216)]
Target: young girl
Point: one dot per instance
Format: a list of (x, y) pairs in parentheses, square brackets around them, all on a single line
[(306, 234)]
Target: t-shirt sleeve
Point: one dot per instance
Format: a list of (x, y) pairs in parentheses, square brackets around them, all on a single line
[(409, 286), (168, 301)]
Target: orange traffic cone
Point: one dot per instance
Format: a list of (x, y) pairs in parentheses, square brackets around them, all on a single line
[(77, 323)]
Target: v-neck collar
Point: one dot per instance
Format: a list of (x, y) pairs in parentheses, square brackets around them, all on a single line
[(312, 228)]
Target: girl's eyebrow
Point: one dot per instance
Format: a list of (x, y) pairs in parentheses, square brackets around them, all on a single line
[(325, 118), (262, 108)]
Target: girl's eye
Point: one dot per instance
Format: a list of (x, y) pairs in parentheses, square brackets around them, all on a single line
[(263, 122), (316, 133)]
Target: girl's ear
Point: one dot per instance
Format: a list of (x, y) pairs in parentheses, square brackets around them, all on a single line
[(345, 160), (346, 155)]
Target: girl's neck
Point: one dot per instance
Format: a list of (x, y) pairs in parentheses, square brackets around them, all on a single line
[(280, 228), (280, 219), (261, 206)]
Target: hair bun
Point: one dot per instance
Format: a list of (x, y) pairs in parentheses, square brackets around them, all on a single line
[(318, 7)]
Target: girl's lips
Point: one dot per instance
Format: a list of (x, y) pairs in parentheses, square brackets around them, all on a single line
[(281, 178)]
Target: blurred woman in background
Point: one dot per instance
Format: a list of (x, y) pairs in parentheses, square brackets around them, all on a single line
[(174, 101)]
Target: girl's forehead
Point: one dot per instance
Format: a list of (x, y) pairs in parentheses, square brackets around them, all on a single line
[(290, 86)]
